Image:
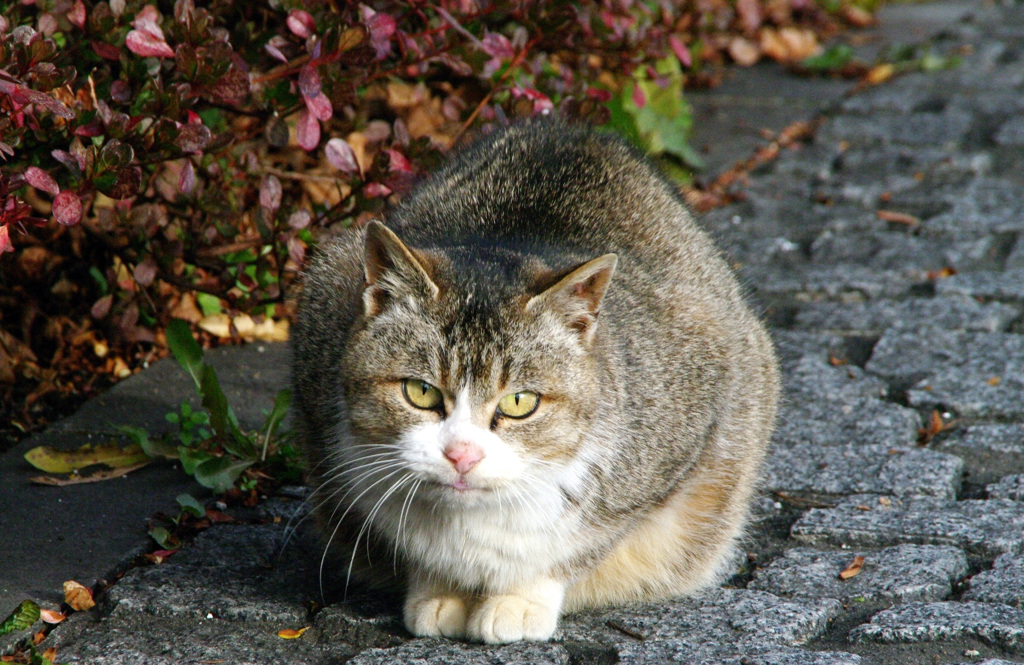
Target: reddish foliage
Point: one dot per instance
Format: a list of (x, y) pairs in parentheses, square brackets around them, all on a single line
[(151, 156)]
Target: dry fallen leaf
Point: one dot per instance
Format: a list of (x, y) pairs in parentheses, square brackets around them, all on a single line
[(77, 596), (289, 634), (994, 381), (879, 74), (898, 217), (52, 616), (744, 51), (853, 569), (52, 460), (885, 501), (218, 324)]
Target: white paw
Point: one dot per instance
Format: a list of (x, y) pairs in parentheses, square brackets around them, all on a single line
[(437, 616), (502, 619)]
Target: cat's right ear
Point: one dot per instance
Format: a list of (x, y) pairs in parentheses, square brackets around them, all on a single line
[(391, 270)]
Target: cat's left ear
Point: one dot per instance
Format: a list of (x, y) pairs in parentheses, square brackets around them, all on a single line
[(578, 295)]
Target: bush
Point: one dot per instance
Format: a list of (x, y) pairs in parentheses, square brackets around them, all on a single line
[(179, 161)]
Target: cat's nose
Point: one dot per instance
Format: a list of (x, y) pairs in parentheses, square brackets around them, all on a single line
[(463, 456)]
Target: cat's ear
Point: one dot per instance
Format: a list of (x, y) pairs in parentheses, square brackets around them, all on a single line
[(391, 270), (577, 296)]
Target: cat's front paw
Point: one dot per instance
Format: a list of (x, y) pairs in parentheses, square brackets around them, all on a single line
[(501, 619), (436, 616)]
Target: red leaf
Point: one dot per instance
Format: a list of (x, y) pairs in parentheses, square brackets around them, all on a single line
[(101, 307), (296, 250), (679, 48), (398, 162), (301, 23), (307, 130), (381, 28), (319, 106), (273, 47), (341, 156), (77, 14), (300, 218), (106, 51), (193, 137), (309, 81), (497, 45), (67, 208), (187, 177), (376, 190), (145, 272), (41, 180), (270, 193), (145, 44), (639, 99), (5, 240)]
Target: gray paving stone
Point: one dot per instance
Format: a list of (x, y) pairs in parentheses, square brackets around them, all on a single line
[(863, 469), (837, 406), (989, 451), (987, 206), (230, 572), (977, 375), (434, 652), (678, 651), (845, 283), (899, 253), (998, 625), (1011, 133), (727, 616), (946, 128), (1009, 487), (981, 527), (1004, 583), (1001, 285), (141, 639), (952, 312), (902, 574)]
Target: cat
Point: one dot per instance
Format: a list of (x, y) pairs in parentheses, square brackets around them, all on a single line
[(535, 389)]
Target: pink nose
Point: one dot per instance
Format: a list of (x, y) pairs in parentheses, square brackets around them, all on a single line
[(463, 456)]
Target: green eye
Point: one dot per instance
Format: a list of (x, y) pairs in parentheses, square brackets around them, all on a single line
[(421, 394), (519, 405)]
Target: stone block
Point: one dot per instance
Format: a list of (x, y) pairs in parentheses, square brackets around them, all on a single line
[(230, 572), (989, 451), (984, 528), (678, 651), (1009, 487), (997, 625), (906, 573), (977, 375), (836, 406), (988, 205), (952, 312), (1003, 285), (863, 469), (435, 652), (1004, 583), (727, 616)]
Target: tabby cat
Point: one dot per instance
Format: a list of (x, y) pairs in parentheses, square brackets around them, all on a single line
[(535, 388)]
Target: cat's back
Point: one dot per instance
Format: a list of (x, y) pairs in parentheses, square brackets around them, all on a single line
[(546, 186)]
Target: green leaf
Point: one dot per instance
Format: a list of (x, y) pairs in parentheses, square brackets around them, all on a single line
[(191, 458), (281, 405), (219, 474), (190, 505), (831, 60), (222, 417), (164, 538), (185, 348), (22, 617), (209, 304), (158, 448)]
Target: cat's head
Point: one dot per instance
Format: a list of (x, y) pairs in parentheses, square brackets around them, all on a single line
[(472, 369)]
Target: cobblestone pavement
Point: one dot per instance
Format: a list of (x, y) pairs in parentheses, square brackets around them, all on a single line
[(879, 325)]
